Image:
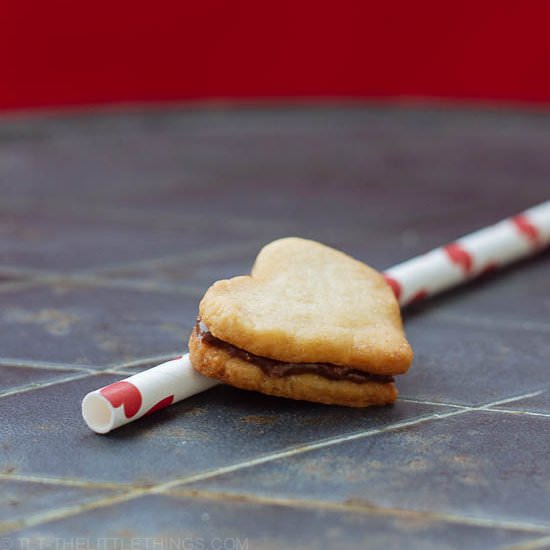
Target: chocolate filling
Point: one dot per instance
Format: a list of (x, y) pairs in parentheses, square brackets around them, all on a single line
[(272, 367)]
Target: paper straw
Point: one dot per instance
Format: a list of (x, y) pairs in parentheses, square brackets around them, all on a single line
[(146, 392), (464, 259), (475, 254)]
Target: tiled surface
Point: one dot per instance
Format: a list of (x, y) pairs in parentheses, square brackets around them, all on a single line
[(111, 227), (219, 428), (94, 326), (471, 465), (537, 404), (194, 272), (23, 498), (171, 522), (502, 361), (15, 377), (61, 243)]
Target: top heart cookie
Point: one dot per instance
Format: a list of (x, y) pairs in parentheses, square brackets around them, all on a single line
[(307, 303)]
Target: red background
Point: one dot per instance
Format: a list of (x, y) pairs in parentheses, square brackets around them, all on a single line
[(70, 53)]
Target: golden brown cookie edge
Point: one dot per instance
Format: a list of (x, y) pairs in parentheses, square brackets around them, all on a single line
[(217, 363)]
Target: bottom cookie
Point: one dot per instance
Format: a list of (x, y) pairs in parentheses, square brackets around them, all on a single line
[(217, 363)]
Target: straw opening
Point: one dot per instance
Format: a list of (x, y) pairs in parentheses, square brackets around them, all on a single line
[(97, 413)]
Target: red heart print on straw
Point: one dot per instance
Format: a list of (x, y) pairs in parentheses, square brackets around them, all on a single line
[(440, 269), (123, 393)]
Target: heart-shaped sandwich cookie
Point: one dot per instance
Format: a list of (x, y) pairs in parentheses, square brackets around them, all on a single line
[(308, 323)]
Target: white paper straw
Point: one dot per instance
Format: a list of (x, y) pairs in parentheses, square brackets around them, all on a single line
[(485, 250), (468, 257), (125, 401)]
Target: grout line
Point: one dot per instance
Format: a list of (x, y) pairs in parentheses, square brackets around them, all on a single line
[(83, 371), (31, 363), (46, 277), (192, 256), (63, 481), (113, 371), (82, 374), (478, 407), (509, 399), (30, 387), (521, 413), (68, 511), (436, 403), (358, 506), (143, 361), (101, 274), (142, 285), (481, 407)]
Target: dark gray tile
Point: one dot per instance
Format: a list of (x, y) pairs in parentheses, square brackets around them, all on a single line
[(241, 525), (12, 377), (471, 365), (216, 428), (363, 169), (198, 271), (475, 464), (60, 243), (139, 366), (20, 500), (369, 170), (93, 325), (73, 161), (538, 403)]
